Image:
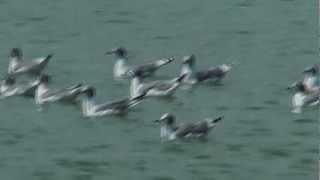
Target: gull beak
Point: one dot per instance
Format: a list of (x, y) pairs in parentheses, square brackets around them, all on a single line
[(110, 52), (307, 70)]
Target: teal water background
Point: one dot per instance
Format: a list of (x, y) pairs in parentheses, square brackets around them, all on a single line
[(272, 41)]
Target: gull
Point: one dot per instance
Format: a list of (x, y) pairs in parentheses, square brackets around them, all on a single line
[(213, 73), (9, 87), (44, 94), (90, 108), (122, 68), (155, 88), (170, 130), (303, 99)]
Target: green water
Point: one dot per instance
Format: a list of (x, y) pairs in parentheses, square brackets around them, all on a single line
[(272, 41)]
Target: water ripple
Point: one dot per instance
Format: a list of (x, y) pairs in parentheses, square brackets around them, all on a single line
[(141, 166), (270, 153), (20, 24), (271, 102), (118, 21), (82, 176), (43, 175), (99, 12), (246, 3), (125, 13), (305, 121), (307, 161), (163, 178), (306, 52), (162, 37), (299, 22), (222, 108), (304, 133), (88, 166), (254, 108), (44, 41), (225, 165), (263, 131), (305, 164), (202, 156), (173, 149), (9, 138), (244, 32), (93, 148), (235, 147), (37, 18), (249, 122), (312, 151)]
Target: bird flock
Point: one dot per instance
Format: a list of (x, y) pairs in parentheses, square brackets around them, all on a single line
[(307, 90)]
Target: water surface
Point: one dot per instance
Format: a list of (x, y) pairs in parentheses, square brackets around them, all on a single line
[(272, 41)]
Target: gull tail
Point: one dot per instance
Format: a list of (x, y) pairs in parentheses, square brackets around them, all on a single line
[(43, 62), (75, 86), (47, 59), (180, 78), (136, 100), (294, 85), (162, 62), (216, 120)]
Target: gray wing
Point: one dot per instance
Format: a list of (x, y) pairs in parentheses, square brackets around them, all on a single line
[(33, 67), (118, 104), (200, 128), (66, 94), (149, 68), (184, 130), (29, 90), (147, 86), (162, 86), (294, 85), (209, 74), (146, 69), (313, 98)]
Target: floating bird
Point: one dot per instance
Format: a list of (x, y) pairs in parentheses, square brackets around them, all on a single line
[(122, 68), (9, 87), (214, 73), (155, 88), (310, 80), (303, 99), (91, 109), (171, 131), (18, 66), (45, 95)]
